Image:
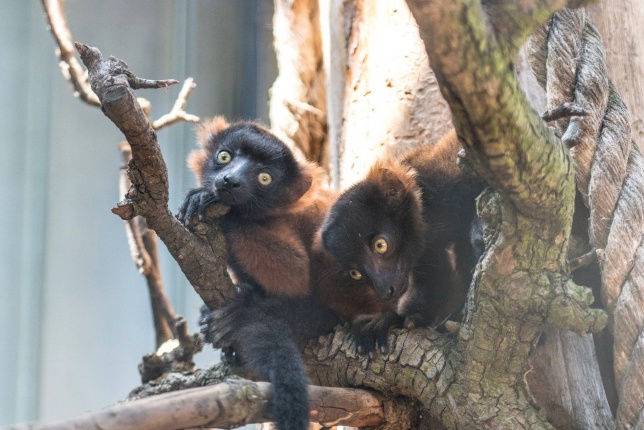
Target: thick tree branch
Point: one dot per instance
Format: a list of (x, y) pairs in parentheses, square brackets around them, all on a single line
[(143, 249), (493, 120), (232, 403), (418, 365), (514, 21), (522, 282), (201, 257)]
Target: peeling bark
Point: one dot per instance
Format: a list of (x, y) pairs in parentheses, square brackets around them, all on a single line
[(619, 22), (383, 97), (298, 96)]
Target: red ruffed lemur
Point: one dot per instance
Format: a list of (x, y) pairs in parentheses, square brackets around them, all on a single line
[(411, 231), (290, 289)]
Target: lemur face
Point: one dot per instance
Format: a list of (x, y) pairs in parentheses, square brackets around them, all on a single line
[(374, 231), (251, 168)]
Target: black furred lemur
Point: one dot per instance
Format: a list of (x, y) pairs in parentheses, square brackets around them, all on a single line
[(290, 288), (416, 239)]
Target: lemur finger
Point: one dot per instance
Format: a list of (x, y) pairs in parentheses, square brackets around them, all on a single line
[(416, 320), (184, 204), (381, 340), (191, 212), (365, 337)]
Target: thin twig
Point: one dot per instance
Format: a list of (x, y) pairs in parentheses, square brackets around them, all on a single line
[(178, 113), (73, 71), (584, 260), (145, 84), (69, 65), (564, 110)]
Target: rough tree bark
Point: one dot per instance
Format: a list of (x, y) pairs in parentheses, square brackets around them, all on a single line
[(496, 140), (565, 377), (521, 286)]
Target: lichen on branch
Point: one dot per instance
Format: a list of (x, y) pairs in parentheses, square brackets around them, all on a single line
[(522, 282)]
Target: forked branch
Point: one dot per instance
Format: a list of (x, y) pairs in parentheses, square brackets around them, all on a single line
[(201, 257)]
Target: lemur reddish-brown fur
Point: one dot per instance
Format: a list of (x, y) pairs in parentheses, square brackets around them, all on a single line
[(269, 233), (291, 289), (412, 240)]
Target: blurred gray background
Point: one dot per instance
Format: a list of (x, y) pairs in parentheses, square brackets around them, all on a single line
[(74, 311)]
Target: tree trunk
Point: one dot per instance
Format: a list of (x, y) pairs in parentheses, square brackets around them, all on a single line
[(620, 24), (383, 97), (565, 376)]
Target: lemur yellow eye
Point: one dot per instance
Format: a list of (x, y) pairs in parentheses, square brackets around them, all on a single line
[(355, 274), (264, 178), (224, 157), (380, 245)]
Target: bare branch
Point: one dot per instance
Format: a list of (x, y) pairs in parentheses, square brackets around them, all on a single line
[(138, 252), (174, 355), (74, 73), (584, 260), (497, 135), (230, 404), (564, 110), (143, 249), (178, 113), (141, 84), (69, 65), (202, 256)]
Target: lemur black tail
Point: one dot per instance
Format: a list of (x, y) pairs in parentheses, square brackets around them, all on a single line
[(264, 335)]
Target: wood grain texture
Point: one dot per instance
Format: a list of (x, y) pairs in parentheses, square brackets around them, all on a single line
[(385, 97), (620, 24), (229, 404)]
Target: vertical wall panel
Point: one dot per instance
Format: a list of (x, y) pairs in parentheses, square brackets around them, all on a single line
[(34, 215), (14, 35)]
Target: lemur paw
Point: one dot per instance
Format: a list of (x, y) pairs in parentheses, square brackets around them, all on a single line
[(416, 321), (193, 206), (205, 324), (370, 332), (218, 327), (229, 357)]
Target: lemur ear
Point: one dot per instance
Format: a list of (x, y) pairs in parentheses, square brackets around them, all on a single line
[(198, 158), (392, 187), (302, 184), (210, 128), (395, 181)]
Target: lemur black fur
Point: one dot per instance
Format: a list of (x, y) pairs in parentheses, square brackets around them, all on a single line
[(409, 229), (290, 288)]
